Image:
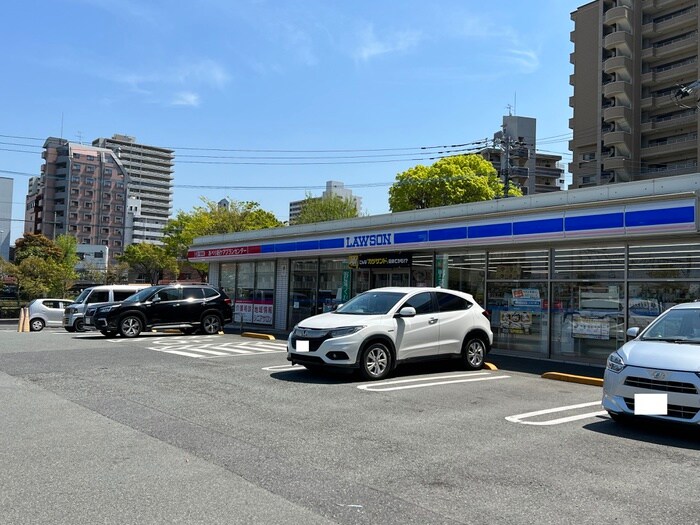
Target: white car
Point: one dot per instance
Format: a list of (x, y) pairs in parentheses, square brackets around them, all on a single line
[(380, 328), (46, 312), (657, 375)]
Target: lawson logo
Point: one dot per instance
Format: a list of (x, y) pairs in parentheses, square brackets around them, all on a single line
[(377, 239)]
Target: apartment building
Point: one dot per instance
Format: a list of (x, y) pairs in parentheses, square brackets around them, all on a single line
[(531, 171), (333, 188), (81, 192), (634, 117), (6, 185), (150, 186)]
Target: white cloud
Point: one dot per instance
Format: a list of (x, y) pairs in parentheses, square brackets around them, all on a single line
[(371, 46), (186, 98)]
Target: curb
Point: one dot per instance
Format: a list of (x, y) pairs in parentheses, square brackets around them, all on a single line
[(490, 366), (593, 381), (258, 336)]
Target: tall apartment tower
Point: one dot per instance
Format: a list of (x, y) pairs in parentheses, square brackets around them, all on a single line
[(630, 59), (333, 188), (81, 192), (6, 185), (150, 184), (530, 170)]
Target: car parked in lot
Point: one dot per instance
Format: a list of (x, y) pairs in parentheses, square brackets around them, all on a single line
[(74, 315), (46, 312), (662, 360), (188, 307), (378, 329)]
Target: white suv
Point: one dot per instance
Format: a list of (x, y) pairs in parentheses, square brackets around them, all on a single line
[(377, 329)]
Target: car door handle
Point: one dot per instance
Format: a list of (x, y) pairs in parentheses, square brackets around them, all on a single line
[(433, 320)]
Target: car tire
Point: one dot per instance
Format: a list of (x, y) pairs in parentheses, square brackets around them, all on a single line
[(375, 363), (36, 325), (211, 324), (79, 325), (130, 326), (473, 353), (70, 329), (108, 333)]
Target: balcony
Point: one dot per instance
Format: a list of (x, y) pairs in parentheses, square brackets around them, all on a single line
[(620, 15), (671, 73), (672, 147), (619, 40), (654, 6), (680, 21), (671, 49), (618, 114), (620, 90), (622, 140), (617, 163), (617, 64), (673, 122)]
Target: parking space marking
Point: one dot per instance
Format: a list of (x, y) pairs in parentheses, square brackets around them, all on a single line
[(212, 346), (430, 381), (283, 368), (519, 417)]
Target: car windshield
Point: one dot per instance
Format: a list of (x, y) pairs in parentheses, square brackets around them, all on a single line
[(371, 303), (83, 295), (142, 295), (676, 325)]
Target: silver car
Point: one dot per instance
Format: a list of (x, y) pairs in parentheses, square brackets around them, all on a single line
[(657, 374), (46, 312), (380, 328)]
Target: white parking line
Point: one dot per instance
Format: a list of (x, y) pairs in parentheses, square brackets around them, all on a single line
[(519, 418), (423, 381), (283, 368)]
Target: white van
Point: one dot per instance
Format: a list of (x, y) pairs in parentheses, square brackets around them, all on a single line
[(108, 293)]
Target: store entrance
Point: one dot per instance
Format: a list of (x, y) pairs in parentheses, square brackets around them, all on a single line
[(390, 277)]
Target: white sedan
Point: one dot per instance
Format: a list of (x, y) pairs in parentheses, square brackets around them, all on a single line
[(657, 374)]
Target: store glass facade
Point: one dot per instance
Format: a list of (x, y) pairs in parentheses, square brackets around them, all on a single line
[(251, 286)]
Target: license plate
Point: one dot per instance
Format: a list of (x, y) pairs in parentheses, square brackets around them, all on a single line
[(87, 320), (302, 346)]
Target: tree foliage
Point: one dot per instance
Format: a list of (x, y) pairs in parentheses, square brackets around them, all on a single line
[(212, 219), (452, 180), (150, 260), (36, 244), (329, 208)]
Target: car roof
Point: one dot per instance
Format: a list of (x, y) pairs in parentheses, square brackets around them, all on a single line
[(410, 289), (687, 306)]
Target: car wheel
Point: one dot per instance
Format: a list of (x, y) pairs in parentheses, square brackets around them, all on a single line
[(211, 324), (473, 353), (70, 329), (376, 362), (79, 325), (130, 326), (108, 333), (36, 325)]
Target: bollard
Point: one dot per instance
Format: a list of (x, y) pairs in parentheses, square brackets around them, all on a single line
[(21, 319), (25, 319)]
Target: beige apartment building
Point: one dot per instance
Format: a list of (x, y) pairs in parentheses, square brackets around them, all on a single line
[(631, 119)]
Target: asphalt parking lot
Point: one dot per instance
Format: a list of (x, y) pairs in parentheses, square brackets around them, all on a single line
[(430, 444)]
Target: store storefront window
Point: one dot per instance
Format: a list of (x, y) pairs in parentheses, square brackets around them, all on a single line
[(649, 298), (421, 270), (589, 263), (264, 294), (303, 286), (462, 271), (672, 261), (334, 283), (245, 292), (587, 320), (516, 296), (227, 278)]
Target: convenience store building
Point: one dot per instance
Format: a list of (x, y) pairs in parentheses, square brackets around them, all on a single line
[(563, 274)]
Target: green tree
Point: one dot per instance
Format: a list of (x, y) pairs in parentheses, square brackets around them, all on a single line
[(150, 260), (452, 180), (212, 219), (36, 244), (331, 208)]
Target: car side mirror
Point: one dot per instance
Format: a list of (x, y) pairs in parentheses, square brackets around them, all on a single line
[(633, 332), (406, 311)]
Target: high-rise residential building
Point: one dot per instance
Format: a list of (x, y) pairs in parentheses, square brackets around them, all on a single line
[(530, 170), (631, 58), (6, 185), (333, 188), (150, 184), (81, 192)]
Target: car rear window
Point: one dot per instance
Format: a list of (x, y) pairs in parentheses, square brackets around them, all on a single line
[(192, 293), (210, 292), (448, 302)]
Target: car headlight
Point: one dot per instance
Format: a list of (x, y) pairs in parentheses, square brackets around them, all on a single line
[(105, 309), (345, 330), (615, 363)]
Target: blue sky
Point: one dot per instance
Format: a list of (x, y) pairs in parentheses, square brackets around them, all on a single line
[(263, 99)]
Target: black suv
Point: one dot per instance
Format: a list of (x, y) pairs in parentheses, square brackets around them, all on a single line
[(185, 306)]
